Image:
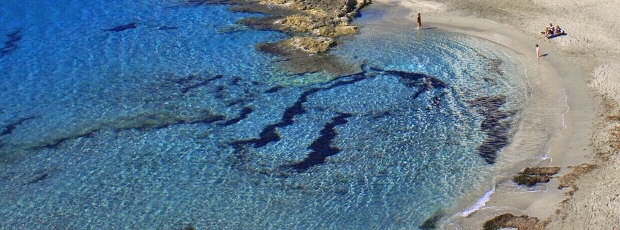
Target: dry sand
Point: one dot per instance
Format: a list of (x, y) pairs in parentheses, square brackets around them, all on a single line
[(587, 62)]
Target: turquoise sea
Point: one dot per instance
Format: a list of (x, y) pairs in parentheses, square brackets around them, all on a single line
[(162, 115)]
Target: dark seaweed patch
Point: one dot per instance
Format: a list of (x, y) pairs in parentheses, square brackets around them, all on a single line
[(10, 44), (39, 177), (383, 114), (160, 121), (139, 122), (244, 114), (120, 28), (192, 82), (494, 125), (168, 28), (274, 89), (322, 146), (269, 133), (431, 222), (235, 102), (8, 129), (54, 144), (235, 80)]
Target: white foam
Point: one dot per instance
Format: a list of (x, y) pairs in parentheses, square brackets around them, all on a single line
[(479, 204)]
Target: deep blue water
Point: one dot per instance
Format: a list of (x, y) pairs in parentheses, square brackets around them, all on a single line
[(181, 122)]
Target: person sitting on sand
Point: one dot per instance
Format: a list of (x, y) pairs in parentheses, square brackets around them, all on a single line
[(551, 27), (558, 31), (548, 33)]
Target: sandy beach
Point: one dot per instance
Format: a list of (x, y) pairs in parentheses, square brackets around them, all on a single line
[(584, 66)]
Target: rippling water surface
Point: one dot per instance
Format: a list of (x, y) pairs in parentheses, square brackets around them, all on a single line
[(161, 115)]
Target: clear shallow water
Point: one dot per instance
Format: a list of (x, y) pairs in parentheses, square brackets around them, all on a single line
[(165, 125)]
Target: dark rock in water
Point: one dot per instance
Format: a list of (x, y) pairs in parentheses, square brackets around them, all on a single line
[(120, 28), (508, 220), (322, 146), (533, 175)]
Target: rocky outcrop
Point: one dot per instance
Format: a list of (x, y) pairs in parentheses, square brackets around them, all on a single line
[(577, 171), (508, 220), (311, 44), (541, 171), (305, 19), (314, 26), (534, 175)]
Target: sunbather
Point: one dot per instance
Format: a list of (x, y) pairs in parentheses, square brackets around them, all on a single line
[(548, 32), (558, 31), (551, 28)]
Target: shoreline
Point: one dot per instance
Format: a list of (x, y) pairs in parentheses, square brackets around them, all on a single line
[(571, 148)]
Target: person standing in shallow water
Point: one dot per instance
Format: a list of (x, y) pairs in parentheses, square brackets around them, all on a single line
[(419, 21)]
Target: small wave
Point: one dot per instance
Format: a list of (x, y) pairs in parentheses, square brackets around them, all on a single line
[(479, 204)]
